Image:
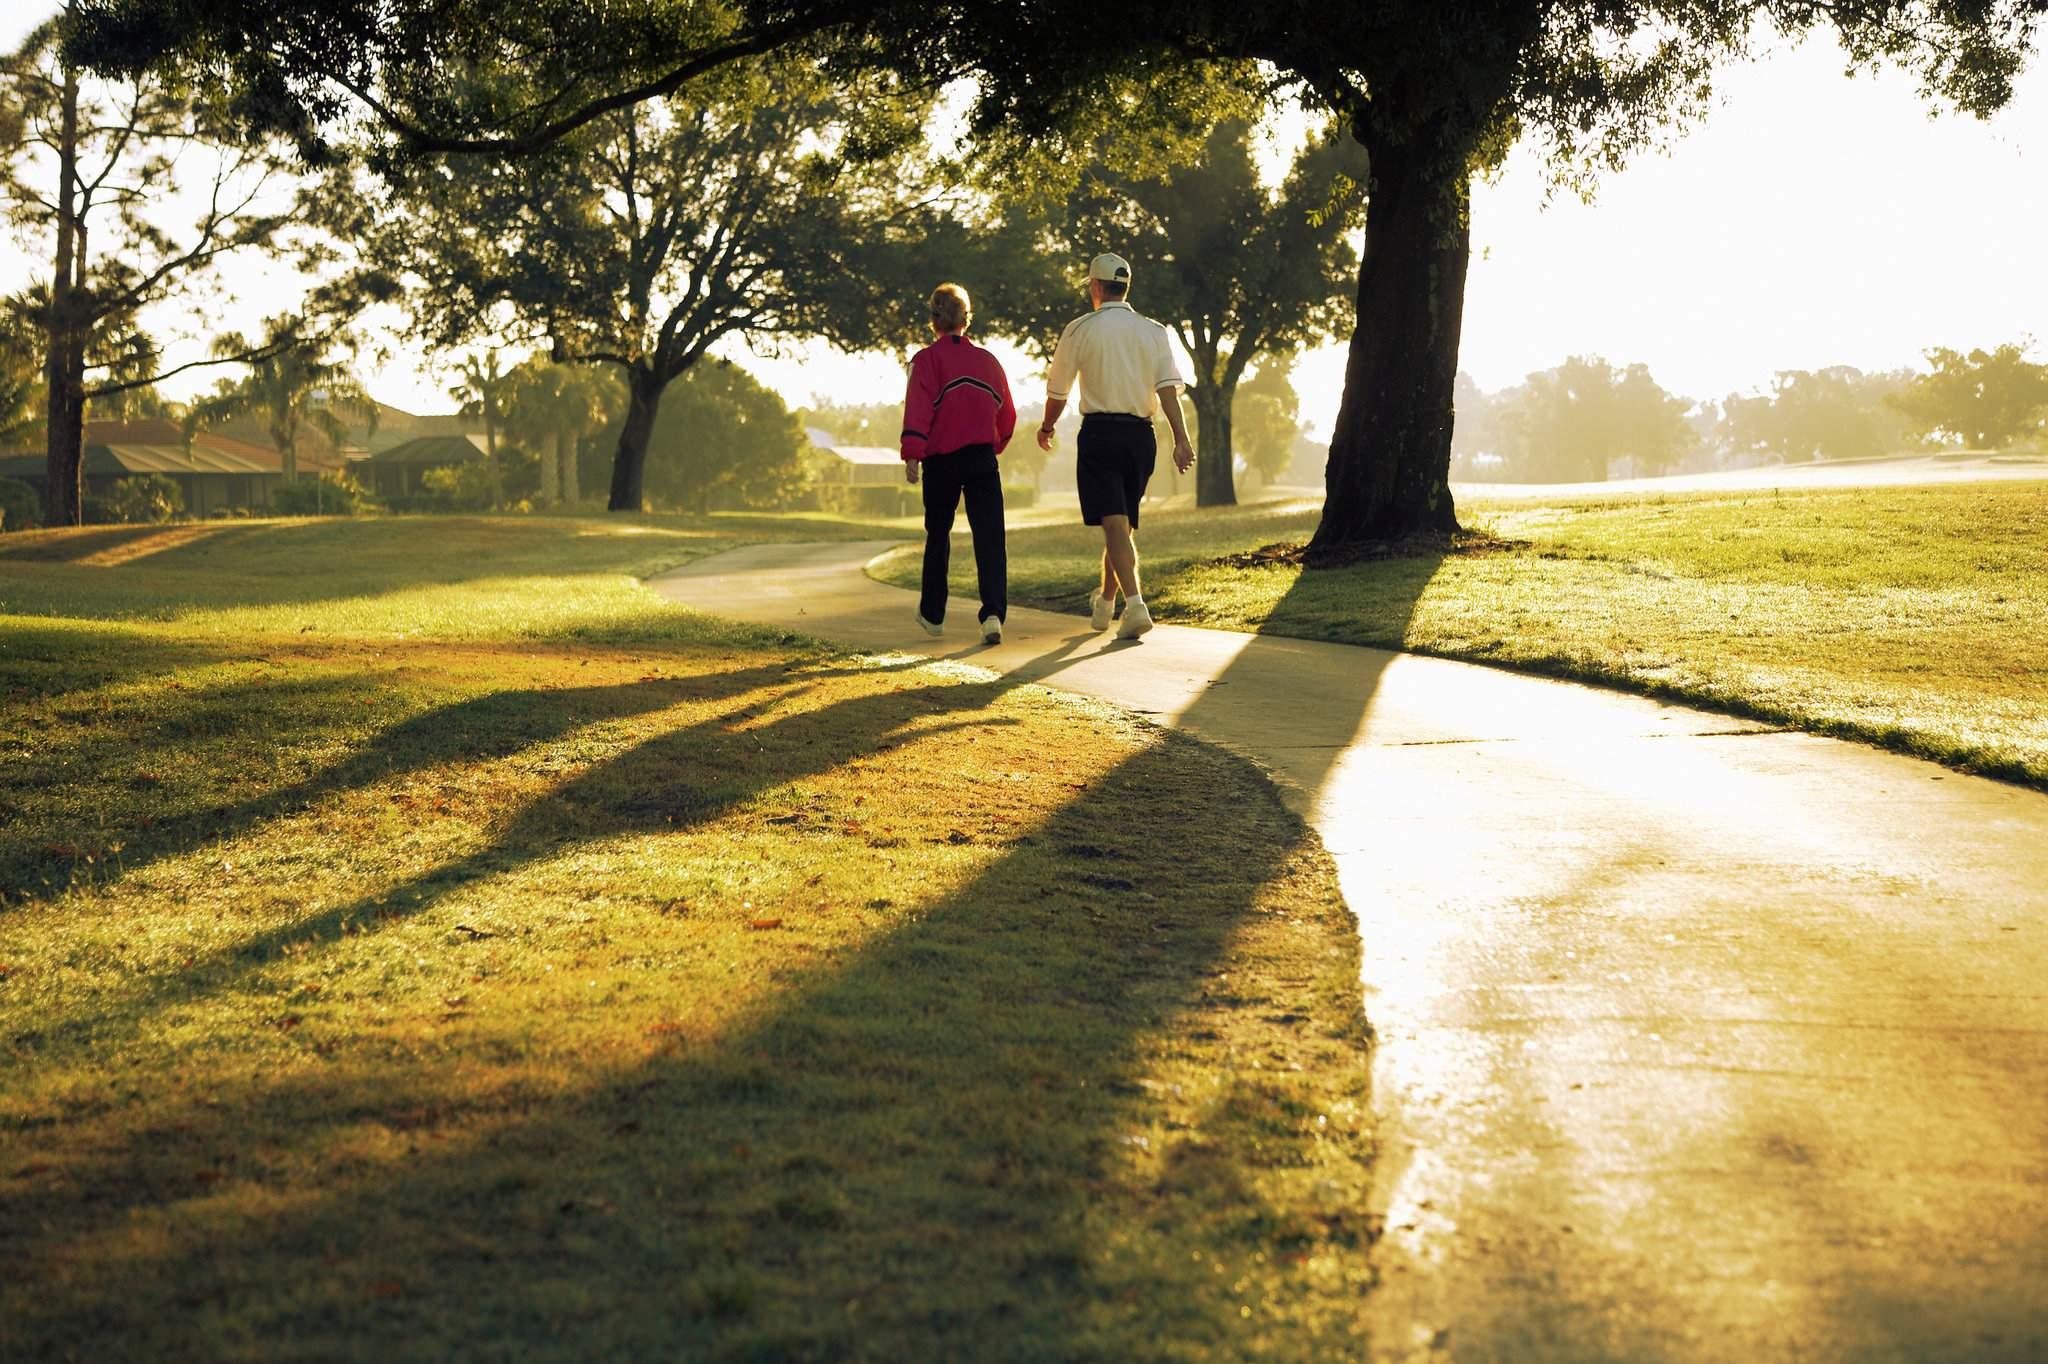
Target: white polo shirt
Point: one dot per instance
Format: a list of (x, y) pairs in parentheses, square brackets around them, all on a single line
[(1121, 359)]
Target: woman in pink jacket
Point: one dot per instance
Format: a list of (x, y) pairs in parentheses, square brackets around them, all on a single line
[(957, 418)]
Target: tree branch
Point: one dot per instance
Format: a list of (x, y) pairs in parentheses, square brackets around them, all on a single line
[(422, 139), (254, 355)]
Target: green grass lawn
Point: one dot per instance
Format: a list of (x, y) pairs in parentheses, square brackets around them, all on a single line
[(1916, 618), (420, 941)]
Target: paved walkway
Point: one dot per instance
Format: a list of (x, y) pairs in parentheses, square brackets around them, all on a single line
[(1697, 1041)]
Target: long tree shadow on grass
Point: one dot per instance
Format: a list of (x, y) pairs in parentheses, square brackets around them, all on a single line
[(934, 1148), (150, 818), (674, 781), (151, 572), (918, 1152)]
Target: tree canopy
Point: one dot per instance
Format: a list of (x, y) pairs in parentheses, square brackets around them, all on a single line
[(647, 238), (292, 386), (1237, 271), (1570, 424), (1985, 400), (1834, 413), (1434, 91), (82, 161), (722, 434)]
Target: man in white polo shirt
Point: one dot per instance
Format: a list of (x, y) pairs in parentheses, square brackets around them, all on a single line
[(1127, 373)]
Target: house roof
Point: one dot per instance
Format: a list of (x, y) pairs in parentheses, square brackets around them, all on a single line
[(114, 449), (430, 450), (153, 431), (865, 454)]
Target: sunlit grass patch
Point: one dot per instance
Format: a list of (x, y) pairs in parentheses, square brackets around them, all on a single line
[(1912, 617), (650, 988)]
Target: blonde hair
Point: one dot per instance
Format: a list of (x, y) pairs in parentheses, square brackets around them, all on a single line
[(951, 308)]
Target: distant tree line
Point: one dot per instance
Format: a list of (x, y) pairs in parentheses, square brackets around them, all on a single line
[(1588, 420)]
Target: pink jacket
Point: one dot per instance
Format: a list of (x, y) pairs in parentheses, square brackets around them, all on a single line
[(958, 397)]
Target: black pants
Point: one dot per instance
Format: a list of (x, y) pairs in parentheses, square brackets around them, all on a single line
[(972, 471)]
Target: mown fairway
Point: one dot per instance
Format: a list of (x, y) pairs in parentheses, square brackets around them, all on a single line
[(418, 941), (1912, 617)]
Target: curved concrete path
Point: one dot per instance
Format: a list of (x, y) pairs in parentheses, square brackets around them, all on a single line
[(1697, 1041)]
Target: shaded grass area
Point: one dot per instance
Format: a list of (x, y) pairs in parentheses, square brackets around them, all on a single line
[(388, 573), (642, 985), (1915, 618)]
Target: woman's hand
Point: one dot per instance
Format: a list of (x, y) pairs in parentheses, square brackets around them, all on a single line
[(910, 471)]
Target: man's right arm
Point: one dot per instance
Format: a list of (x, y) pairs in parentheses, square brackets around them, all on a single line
[(1059, 381)]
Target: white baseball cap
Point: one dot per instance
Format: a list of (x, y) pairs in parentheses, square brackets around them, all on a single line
[(1113, 269)]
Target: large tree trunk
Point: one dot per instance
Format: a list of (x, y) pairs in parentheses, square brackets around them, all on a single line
[(566, 455), (64, 334), (629, 465), (1388, 476), (1216, 470)]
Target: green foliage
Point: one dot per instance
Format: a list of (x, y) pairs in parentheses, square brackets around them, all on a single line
[(1833, 413), (485, 392), (111, 257), (293, 385), (1985, 399), (1435, 92), (551, 409), (21, 377), (761, 203), (1266, 418), (722, 435), (857, 423), (653, 233), (468, 486), (20, 508), (143, 499), (143, 403), (1568, 424), (1237, 270), (335, 494)]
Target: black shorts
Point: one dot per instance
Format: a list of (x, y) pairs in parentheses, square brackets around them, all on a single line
[(1113, 460)]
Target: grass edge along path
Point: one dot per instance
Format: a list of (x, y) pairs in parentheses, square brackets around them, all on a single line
[(646, 986), (1913, 619)]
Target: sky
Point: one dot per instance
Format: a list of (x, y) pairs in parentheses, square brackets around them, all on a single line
[(1811, 220)]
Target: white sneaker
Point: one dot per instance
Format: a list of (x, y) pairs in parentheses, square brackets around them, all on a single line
[(1137, 620), (1099, 608), (933, 630), (991, 631)]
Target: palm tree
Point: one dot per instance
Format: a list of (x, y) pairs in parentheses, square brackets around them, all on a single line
[(486, 391), (552, 408), (291, 389), (21, 387)]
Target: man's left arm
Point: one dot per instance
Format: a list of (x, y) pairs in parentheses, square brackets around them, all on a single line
[(1183, 448), (1169, 381)]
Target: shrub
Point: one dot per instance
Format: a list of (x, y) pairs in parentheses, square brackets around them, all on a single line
[(324, 495), (1019, 495), (144, 500), (460, 487), (20, 508)]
